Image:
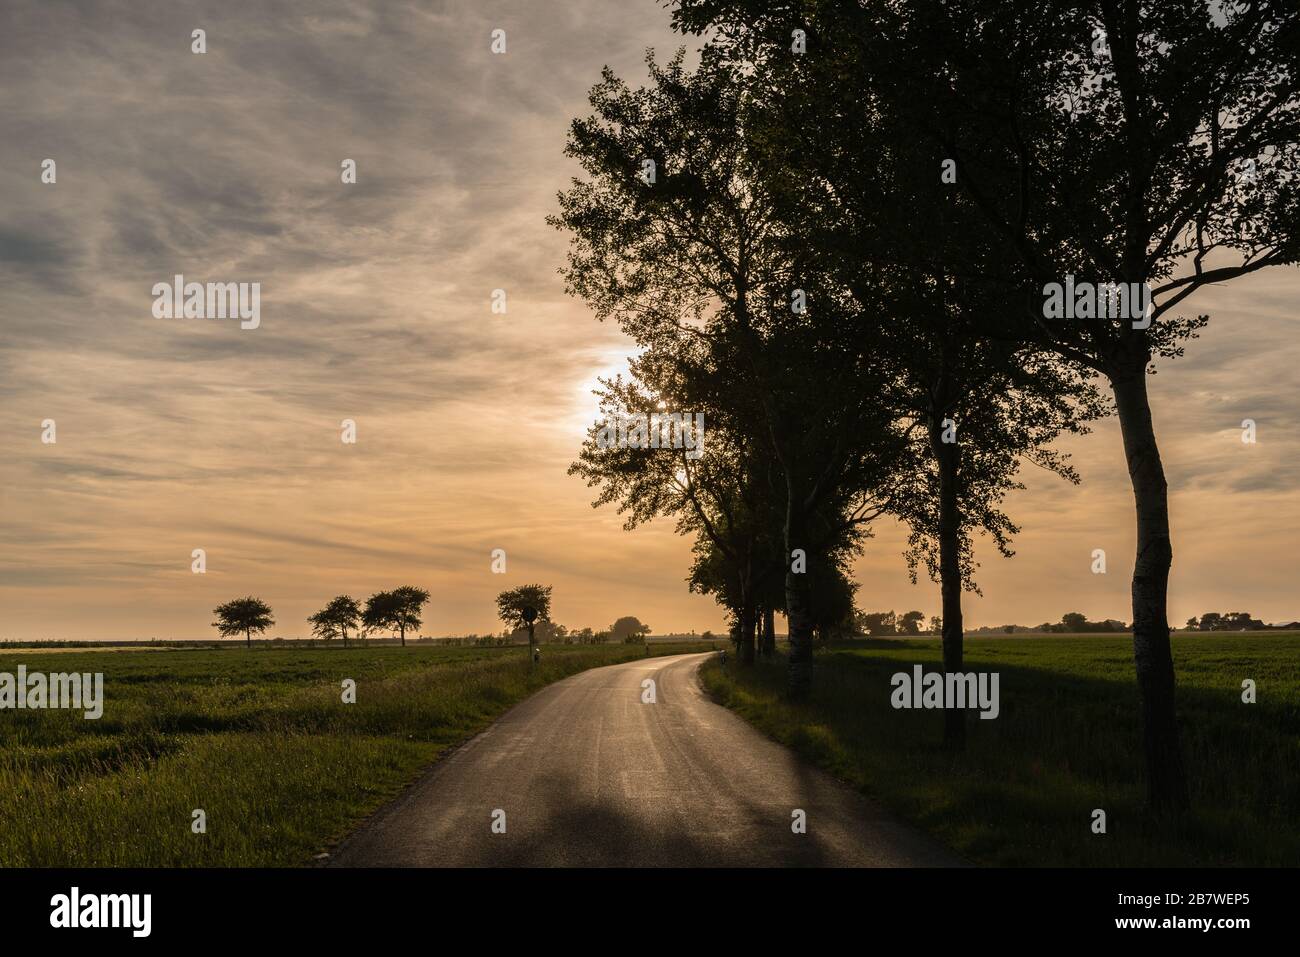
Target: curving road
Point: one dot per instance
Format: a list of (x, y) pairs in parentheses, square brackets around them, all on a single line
[(588, 775)]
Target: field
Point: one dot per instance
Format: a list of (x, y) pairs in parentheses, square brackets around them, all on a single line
[(1066, 742), (261, 741)]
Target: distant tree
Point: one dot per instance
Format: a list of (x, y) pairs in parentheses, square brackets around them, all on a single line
[(880, 623), (243, 615), (378, 613), (398, 609), (336, 618), (936, 625), (910, 623), (832, 603), (1241, 621), (629, 629), (511, 605), (408, 604), (523, 607), (543, 632), (1074, 622)]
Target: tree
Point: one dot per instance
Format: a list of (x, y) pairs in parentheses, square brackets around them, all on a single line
[(878, 623), (720, 496), (696, 257), (976, 405), (379, 612), (629, 629), (342, 613), (910, 623), (1073, 622), (1168, 104), (399, 609), (1150, 144), (522, 607), (246, 615), (513, 605)]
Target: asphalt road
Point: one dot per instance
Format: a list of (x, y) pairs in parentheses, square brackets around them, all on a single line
[(588, 775)]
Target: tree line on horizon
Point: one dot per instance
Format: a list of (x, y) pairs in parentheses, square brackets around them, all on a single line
[(400, 610), (836, 236)]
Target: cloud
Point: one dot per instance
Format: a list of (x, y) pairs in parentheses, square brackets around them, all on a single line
[(176, 434)]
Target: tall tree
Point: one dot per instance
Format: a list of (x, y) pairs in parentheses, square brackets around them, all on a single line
[(1146, 142), (243, 616), (675, 236), (712, 490)]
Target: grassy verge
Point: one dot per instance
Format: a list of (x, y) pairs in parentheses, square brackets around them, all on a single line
[(1065, 743), (260, 741)]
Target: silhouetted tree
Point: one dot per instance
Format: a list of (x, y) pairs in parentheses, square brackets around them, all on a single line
[(628, 629), (399, 609), (512, 605), (910, 623), (695, 256), (336, 618), (523, 607), (1123, 141), (243, 615)]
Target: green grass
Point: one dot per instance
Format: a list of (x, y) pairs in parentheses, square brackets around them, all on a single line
[(1066, 742), (260, 740)]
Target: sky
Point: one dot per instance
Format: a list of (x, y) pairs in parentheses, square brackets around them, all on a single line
[(180, 434)]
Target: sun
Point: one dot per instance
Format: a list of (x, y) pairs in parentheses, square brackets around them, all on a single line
[(607, 364)]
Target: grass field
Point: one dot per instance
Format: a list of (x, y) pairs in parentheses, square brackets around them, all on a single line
[(260, 740), (1066, 742)]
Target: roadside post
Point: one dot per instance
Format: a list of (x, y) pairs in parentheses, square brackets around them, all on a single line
[(530, 616)]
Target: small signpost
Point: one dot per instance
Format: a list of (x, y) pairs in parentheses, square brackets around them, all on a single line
[(530, 616)]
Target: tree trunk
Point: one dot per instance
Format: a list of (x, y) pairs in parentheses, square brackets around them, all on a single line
[(947, 456), (769, 632), (1166, 781), (745, 648), (401, 632), (248, 636), (798, 606)]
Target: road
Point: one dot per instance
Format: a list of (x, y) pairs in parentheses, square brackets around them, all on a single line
[(588, 775)]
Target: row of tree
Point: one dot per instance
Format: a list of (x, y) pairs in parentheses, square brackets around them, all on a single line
[(1232, 621), (400, 611), (834, 238), (878, 623)]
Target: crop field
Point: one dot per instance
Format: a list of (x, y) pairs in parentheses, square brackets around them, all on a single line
[(1064, 744), (260, 741)]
